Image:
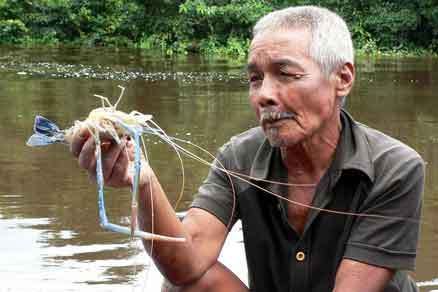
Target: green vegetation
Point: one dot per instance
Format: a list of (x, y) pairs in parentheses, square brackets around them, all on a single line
[(209, 27)]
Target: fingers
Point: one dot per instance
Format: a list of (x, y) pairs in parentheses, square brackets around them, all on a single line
[(116, 160), (120, 175), (78, 140), (115, 164), (87, 156), (130, 148), (110, 159)]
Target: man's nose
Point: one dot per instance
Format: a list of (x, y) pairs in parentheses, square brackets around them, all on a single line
[(267, 95)]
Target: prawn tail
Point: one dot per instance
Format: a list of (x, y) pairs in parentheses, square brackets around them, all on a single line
[(46, 132)]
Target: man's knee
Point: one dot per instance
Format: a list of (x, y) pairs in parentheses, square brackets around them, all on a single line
[(205, 283), (217, 279), (168, 287)]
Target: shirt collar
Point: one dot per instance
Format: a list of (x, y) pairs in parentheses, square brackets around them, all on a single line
[(263, 157), (352, 153)]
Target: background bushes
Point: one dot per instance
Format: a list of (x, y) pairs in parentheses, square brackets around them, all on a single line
[(208, 26)]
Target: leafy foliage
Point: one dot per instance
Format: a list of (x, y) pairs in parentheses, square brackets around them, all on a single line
[(208, 26), (12, 30)]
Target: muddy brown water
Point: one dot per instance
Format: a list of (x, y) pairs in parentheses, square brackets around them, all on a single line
[(51, 239)]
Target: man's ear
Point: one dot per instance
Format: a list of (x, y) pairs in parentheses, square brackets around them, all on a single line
[(344, 79)]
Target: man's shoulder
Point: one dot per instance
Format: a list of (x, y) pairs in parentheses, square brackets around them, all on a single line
[(243, 147), (389, 156), (250, 140), (380, 144), (253, 135)]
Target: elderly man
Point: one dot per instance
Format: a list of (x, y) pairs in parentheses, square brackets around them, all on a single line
[(331, 204)]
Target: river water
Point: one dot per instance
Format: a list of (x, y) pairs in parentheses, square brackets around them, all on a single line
[(51, 240)]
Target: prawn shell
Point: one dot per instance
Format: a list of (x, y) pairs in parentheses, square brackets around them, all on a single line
[(85, 130), (108, 123)]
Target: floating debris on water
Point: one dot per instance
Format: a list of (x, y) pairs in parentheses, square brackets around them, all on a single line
[(57, 70)]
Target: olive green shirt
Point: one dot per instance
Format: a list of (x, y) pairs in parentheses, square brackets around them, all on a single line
[(371, 173)]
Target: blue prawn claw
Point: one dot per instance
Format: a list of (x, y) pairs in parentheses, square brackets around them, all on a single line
[(46, 132)]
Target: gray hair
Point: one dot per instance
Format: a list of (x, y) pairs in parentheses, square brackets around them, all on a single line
[(330, 44)]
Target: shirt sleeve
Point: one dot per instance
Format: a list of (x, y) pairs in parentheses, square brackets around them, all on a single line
[(217, 194), (388, 237)]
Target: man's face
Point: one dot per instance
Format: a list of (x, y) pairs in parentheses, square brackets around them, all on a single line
[(292, 98)]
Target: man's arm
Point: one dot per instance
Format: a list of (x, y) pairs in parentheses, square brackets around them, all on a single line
[(354, 276), (181, 263)]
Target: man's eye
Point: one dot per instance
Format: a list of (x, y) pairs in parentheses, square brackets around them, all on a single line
[(254, 78), (295, 76)]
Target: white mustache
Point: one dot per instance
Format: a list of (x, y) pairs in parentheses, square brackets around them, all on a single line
[(272, 116)]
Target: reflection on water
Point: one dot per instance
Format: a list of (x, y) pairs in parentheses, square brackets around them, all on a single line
[(48, 210), (32, 262)]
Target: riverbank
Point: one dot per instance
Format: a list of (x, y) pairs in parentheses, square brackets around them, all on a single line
[(236, 51)]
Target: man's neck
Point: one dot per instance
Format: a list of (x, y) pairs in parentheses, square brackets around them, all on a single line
[(308, 161)]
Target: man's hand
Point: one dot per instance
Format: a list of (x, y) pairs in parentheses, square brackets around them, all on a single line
[(117, 159)]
